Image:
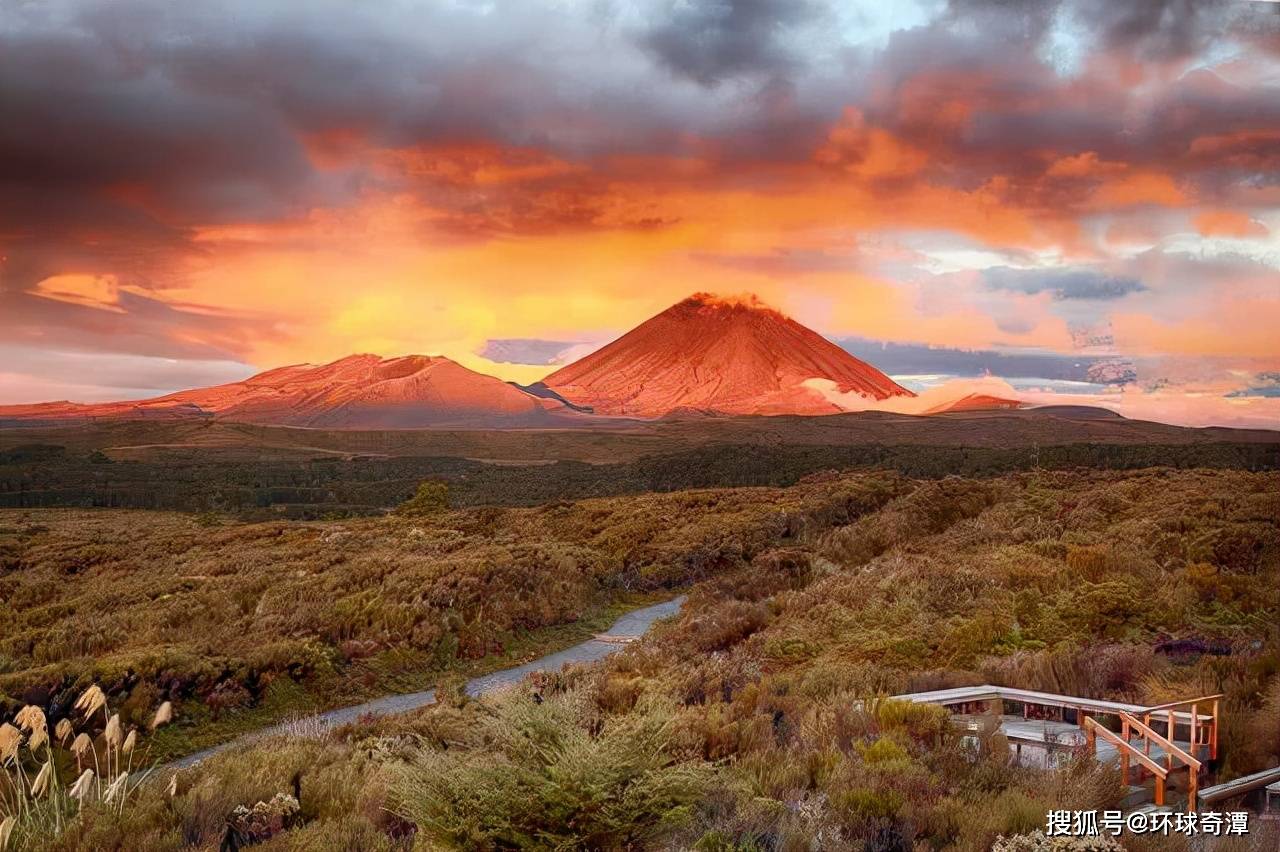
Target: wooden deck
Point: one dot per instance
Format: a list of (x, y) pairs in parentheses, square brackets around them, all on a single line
[(1033, 740), (987, 692), (1135, 737)]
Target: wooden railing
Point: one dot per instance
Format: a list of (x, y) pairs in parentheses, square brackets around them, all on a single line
[(1132, 726), (1171, 751), (1094, 729), (1201, 733)]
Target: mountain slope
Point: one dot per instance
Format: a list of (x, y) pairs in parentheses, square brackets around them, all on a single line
[(977, 402), (357, 392), (715, 355)]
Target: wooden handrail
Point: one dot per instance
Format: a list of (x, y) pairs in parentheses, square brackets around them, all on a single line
[(1097, 727), (1164, 743), (1173, 705), (1196, 720)]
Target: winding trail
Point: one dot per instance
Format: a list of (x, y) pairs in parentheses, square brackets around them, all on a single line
[(630, 625)]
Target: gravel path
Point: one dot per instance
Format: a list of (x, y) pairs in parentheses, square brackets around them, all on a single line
[(632, 624)]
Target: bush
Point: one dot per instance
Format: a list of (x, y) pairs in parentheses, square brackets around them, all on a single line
[(552, 775), (432, 498)]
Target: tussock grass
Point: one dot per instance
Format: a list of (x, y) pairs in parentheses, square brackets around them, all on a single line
[(36, 803)]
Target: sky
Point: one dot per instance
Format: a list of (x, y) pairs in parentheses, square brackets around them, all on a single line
[(1070, 201)]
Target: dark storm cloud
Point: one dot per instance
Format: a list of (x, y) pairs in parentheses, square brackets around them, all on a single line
[(714, 40), (77, 116), (1064, 284), (210, 112), (1147, 30), (127, 126), (981, 91), (207, 112)]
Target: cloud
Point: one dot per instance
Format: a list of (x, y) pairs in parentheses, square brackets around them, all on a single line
[(526, 351), (926, 401), (714, 40), (1229, 223), (1063, 284), (229, 180), (784, 261), (40, 373), (1264, 384), (1153, 31), (80, 313), (1192, 407), (916, 359), (93, 291)]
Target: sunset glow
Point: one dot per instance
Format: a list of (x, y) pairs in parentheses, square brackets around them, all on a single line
[(1044, 198)]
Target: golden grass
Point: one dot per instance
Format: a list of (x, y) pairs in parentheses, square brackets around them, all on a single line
[(34, 803)]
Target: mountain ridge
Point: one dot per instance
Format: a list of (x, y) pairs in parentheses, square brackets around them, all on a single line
[(360, 391), (704, 356)]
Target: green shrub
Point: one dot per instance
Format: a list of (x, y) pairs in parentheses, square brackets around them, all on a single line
[(431, 498), (553, 775)]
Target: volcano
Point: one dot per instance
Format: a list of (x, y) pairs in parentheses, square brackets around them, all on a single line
[(720, 356), (357, 392)]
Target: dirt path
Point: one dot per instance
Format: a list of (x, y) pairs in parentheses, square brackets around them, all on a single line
[(632, 624)]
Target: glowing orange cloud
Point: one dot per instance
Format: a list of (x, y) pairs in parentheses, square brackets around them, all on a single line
[(1083, 165), (869, 152), (485, 241), (92, 291), (1229, 223)]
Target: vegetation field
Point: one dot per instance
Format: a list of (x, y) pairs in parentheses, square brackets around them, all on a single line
[(224, 618), (754, 720), (284, 486)]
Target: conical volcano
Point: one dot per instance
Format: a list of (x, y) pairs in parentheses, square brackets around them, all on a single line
[(722, 356)]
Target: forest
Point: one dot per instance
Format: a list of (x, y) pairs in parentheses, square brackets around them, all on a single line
[(53, 475)]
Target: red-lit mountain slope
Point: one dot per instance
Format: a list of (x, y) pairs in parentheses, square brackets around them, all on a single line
[(357, 392), (728, 356)]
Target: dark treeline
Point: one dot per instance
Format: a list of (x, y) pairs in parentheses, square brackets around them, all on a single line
[(48, 475)]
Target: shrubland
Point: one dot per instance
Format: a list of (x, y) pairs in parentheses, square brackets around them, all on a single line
[(247, 621), (758, 719)]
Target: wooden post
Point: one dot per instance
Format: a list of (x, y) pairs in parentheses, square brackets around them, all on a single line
[(1159, 792), (1213, 733), (1124, 757), (1091, 740), (1193, 783), (1195, 733), (1168, 758)]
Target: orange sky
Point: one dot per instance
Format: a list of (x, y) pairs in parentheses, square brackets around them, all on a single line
[(1065, 181)]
